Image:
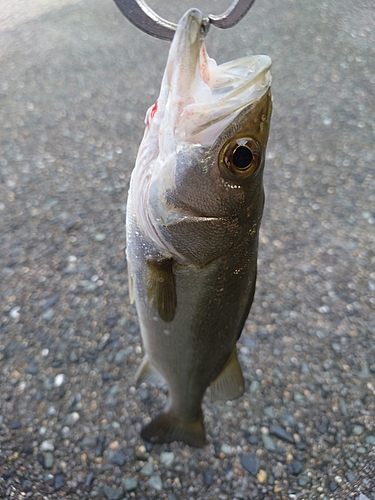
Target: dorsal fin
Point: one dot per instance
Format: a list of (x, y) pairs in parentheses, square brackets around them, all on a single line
[(161, 287)]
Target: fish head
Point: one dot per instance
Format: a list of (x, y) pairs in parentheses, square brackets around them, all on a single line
[(203, 150)]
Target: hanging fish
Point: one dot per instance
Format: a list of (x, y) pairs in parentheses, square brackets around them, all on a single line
[(194, 211)]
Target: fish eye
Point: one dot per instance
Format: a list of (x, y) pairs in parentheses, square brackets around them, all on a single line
[(240, 157)]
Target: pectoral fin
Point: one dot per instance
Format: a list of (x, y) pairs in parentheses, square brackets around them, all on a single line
[(230, 383), (161, 287), (147, 373)]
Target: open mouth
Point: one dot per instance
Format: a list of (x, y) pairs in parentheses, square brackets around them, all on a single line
[(200, 97), (233, 85)]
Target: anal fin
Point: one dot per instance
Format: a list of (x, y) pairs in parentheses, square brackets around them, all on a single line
[(166, 428), (147, 373), (230, 383), (161, 287)]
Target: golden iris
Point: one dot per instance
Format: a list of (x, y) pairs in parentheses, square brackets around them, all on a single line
[(240, 157)]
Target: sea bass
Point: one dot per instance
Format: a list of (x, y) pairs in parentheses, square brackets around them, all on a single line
[(194, 211)]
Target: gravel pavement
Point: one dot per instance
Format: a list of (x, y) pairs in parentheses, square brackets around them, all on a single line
[(75, 81)]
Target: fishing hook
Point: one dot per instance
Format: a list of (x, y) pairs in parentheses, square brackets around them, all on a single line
[(142, 16)]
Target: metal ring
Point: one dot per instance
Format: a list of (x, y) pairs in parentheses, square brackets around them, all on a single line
[(142, 16)]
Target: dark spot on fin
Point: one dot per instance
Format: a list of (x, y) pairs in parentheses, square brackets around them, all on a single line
[(167, 428), (161, 287), (147, 373), (230, 383)]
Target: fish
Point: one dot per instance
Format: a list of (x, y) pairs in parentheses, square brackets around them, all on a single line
[(194, 210)]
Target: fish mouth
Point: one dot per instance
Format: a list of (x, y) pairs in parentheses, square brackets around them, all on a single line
[(202, 98), (234, 86)]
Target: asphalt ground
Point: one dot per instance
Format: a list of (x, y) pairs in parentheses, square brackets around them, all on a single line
[(75, 81)]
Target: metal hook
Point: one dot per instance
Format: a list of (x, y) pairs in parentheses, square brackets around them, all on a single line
[(142, 16)]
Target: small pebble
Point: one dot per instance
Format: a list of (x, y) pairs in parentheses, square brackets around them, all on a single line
[(289, 457), (226, 449), (303, 480), (269, 412), (262, 476), (9, 474), (88, 442), (32, 368), (254, 386), (208, 477), (73, 357), (99, 237), (322, 427), (365, 372), (305, 370), (59, 380), (112, 493), (130, 484), (51, 301), (155, 483), (88, 286), (357, 430), (297, 396), (250, 463), (58, 481), (295, 467), (167, 458), (47, 445), (89, 479), (288, 418), (15, 424), (252, 439), (350, 476), (47, 315), (148, 469), (49, 460), (27, 485), (118, 458), (333, 485), (99, 449), (268, 443), (27, 447), (343, 408), (278, 431), (370, 440), (141, 453), (72, 418)]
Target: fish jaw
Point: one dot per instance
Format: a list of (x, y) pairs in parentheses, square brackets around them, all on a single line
[(198, 100)]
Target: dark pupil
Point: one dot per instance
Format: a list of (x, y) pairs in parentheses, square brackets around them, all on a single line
[(242, 157)]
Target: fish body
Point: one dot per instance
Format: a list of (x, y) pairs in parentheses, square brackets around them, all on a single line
[(194, 210)]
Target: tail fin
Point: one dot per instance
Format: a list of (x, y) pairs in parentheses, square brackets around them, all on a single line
[(166, 428)]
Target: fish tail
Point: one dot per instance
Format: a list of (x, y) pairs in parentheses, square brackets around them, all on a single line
[(166, 428)]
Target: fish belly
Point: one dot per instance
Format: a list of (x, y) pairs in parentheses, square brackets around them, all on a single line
[(191, 350)]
